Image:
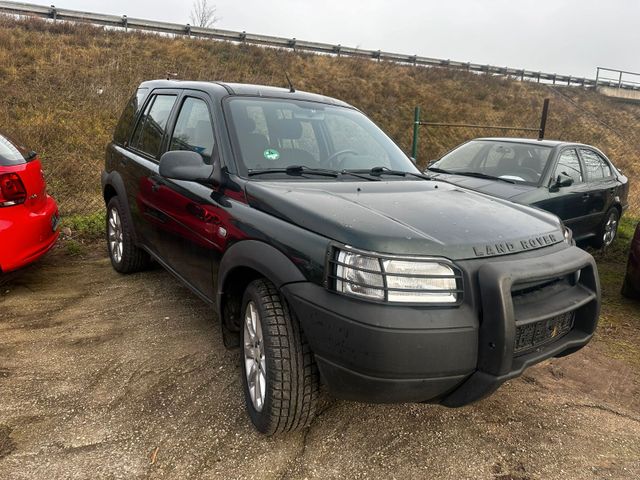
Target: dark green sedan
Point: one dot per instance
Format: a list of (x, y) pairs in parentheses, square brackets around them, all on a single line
[(577, 182)]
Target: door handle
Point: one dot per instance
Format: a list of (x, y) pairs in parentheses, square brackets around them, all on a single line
[(202, 214), (155, 187)]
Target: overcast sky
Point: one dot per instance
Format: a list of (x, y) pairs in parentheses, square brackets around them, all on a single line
[(561, 36)]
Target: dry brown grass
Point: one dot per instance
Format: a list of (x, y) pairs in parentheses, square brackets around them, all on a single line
[(50, 75)]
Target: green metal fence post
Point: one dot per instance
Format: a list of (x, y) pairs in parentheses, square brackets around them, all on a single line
[(416, 130)]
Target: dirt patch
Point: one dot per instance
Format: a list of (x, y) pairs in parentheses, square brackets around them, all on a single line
[(111, 376)]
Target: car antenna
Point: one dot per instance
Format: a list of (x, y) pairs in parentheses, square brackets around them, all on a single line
[(291, 89)]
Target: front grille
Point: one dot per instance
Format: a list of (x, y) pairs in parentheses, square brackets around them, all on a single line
[(533, 335)]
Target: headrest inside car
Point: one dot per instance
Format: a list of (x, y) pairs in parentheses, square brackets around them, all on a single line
[(287, 128)]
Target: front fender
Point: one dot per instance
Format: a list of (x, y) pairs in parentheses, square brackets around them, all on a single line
[(265, 259), (240, 265)]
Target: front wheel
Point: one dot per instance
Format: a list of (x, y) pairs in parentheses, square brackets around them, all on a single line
[(608, 229), (279, 374)]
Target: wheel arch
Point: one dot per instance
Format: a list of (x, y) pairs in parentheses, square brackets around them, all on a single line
[(112, 186), (244, 262)]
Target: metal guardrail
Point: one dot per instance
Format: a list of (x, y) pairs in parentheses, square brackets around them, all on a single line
[(619, 80), (54, 13)]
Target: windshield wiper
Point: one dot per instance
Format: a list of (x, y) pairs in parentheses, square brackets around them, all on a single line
[(378, 171), (482, 175), (438, 170), (295, 170)]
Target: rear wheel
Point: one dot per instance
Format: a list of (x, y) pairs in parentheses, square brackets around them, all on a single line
[(628, 290), (279, 374), (608, 230), (125, 256)]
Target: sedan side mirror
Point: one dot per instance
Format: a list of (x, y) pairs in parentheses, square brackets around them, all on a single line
[(562, 180), (185, 165)]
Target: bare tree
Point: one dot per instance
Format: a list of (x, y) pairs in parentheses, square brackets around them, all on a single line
[(203, 14)]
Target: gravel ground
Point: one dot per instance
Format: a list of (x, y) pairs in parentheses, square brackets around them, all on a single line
[(107, 376)]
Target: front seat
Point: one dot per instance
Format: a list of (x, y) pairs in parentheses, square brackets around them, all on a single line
[(291, 129), (252, 144)]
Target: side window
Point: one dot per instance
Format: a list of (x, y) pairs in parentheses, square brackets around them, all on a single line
[(152, 124), (193, 130), (597, 167), (569, 164), (125, 124)]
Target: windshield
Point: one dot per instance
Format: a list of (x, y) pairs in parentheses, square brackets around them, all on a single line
[(517, 162), (274, 134)]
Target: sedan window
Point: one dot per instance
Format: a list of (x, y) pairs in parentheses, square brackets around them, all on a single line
[(569, 165), (596, 167)]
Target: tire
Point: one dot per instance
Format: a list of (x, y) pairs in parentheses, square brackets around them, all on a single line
[(628, 289), (608, 230), (125, 256), (279, 360)]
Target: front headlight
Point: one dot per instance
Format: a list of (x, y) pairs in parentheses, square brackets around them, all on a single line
[(395, 279)]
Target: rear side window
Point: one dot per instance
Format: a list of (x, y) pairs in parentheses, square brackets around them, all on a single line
[(596, 167), (9, 154), (569, 164), (125, 124), (193, 130), (152, 125)]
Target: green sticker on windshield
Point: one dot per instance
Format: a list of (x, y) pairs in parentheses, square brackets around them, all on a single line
[(271, 154)]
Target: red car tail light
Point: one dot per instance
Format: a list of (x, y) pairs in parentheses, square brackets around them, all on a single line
[(12, 191)]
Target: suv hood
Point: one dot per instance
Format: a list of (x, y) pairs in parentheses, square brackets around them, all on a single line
[(409, 217)]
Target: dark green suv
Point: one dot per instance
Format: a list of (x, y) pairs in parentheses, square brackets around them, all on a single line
[(330, 258)]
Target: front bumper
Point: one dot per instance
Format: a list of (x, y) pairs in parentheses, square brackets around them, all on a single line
[(454, 355)]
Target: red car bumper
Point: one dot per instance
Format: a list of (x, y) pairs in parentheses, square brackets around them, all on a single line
[(27, 234)]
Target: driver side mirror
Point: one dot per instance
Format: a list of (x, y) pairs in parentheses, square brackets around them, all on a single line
[(562, 180), (185, 165)]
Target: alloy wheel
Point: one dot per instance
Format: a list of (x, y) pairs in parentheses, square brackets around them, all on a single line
[(610, 229), (115, 235), (255, 365)]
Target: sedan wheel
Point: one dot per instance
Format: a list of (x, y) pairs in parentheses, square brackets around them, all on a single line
[(610, 228)]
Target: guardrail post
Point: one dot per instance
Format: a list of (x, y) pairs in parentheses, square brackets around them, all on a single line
[(53, 12), (597, 75), (543, 119), (125, 23), (416, 131), (187, 30)]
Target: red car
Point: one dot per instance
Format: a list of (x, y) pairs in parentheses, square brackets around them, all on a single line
[(631, 285), (29, 217)]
